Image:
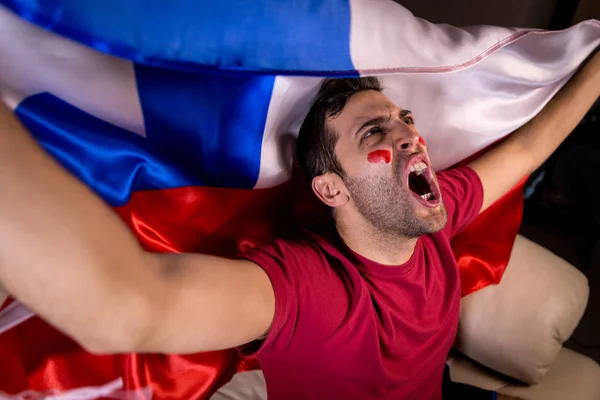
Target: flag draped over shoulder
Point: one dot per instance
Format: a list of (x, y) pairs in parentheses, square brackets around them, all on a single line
[(183, 116)]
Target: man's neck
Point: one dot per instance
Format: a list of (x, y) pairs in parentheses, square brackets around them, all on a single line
[(386, 249)]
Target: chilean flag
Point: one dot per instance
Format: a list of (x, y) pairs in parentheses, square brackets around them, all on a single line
[(183, 117)]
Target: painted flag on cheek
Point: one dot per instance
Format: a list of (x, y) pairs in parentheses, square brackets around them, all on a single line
[(183, 119)]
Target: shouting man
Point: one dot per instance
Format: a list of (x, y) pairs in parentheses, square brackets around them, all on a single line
[(368, 310)]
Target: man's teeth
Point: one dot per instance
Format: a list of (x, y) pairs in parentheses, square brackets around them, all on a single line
[(418, 168), (427, 196)]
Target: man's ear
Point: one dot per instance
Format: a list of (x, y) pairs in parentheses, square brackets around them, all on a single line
[(330, 189)]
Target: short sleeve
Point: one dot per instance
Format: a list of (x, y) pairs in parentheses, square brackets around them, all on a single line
[(462, 193), (295, 268)]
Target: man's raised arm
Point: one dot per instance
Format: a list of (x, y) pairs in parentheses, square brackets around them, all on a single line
[(529, 146), (68, 257)]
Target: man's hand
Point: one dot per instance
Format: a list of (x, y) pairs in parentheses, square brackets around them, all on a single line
[(528, 147), (68, 257)]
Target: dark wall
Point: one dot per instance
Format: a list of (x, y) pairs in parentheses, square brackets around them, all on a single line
[(546, 14), (587, 9)]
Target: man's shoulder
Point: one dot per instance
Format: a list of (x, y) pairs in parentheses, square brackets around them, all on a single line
[(456, 172), (462, 194), (318, 247), (458, 182), (309, 260), (300, 245)]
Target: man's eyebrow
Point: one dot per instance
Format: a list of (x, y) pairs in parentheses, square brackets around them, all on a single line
[(380, 120), (404, 113)]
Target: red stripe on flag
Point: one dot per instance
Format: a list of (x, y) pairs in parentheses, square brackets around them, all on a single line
[(483, 248), (208, 220)]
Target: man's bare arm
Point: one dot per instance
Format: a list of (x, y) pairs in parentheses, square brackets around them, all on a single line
[(528, 147), (68, 257)]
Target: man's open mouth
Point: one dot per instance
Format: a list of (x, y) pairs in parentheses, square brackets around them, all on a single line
[(421, 183)]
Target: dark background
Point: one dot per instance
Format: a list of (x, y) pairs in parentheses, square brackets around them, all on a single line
[(562, 198)]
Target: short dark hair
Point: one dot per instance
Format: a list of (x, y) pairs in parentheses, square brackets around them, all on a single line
[(315, 147)]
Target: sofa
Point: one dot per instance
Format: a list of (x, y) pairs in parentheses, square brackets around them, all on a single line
[(510, 335)]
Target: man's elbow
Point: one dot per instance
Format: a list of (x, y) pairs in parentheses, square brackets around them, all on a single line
[(110, 342), (108, 345), (125, 329)]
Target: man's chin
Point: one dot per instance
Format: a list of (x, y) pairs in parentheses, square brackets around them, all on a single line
[(435, 219)]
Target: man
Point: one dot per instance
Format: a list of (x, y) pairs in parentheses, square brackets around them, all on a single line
[(368, 310)]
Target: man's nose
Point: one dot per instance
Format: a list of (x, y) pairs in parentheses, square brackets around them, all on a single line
[(407, 142)]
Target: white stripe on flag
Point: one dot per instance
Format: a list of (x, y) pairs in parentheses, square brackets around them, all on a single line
[(12, 315), (289, 105), (388, 36), (462, 112), (35, 61), (110, 390)]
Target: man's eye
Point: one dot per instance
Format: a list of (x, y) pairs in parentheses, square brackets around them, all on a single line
[(373, 131), (409, 120)]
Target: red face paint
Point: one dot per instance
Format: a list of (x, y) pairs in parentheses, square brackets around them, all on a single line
[(421, 140), (379, 156)]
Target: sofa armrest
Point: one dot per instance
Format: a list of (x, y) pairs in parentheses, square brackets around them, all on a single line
[(518, 326), (572, 376)]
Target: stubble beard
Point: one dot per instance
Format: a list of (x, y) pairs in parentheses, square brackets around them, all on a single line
[(387, 205)]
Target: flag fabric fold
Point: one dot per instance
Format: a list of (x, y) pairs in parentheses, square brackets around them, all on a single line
[(183, 119)]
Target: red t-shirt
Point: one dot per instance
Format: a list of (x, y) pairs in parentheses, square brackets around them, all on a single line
[(347, 328)]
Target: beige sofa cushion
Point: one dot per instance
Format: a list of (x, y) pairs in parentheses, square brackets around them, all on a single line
[(249, 385), (518, 326), (572, 376)]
